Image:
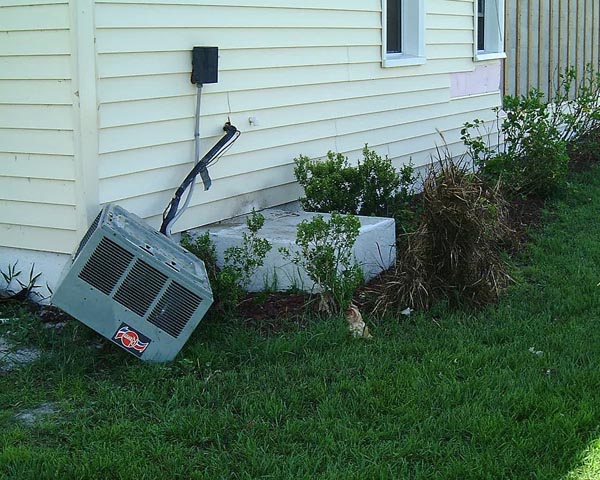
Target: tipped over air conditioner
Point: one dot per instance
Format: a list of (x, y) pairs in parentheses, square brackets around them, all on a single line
[(135, 286)]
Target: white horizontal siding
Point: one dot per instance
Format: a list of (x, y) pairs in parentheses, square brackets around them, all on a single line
[(37, 174), (40, 117), (43, 67), (35, 92), (310, 72), (20, 140), (61, 217), (173, 39), (353, 5), (36, 42), (38, 238), (37, 190), (51, 167), (30, 17), (273, 119), (176, 15), (121, 162), (140, 87), (161, 63)]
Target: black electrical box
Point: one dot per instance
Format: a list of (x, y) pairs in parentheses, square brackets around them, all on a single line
[(205, 65)]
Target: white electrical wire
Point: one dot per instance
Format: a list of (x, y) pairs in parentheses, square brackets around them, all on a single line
[(188, 197)]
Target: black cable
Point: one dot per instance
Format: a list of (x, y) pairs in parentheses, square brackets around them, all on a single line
[(231, 135)]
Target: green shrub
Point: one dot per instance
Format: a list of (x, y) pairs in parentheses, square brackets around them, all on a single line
[(230, 282), (250, 255), (532, 159), (325, 253), (225, 283), (577, 110), (578, 104), (384, 191), (331, 185), (372, 188), (537, 136)]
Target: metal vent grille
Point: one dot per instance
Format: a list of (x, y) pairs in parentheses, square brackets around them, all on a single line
[(175, 309), (106, 265), (88, 234), (140, 288)]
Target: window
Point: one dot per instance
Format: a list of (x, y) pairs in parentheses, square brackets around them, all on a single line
[(489, 29), (480, 25), (394, 27), (403, 32)]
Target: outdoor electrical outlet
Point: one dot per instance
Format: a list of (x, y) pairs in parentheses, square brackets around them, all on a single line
[(253, 121)]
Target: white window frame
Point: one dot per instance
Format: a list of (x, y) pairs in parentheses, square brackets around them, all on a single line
[(413, 35), (493, 40)]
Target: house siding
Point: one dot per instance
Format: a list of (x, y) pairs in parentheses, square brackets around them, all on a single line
[(96, 104), (37, 174), (310, 73)]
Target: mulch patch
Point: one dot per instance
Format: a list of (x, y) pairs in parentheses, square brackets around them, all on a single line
[(50, 315), (281, 311), (278, 311)]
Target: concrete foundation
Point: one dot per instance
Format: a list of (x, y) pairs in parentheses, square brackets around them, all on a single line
[(50, 265), (374, 251)]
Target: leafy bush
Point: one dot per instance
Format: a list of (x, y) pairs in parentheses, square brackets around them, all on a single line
[(250, 255), (373, 187), (578, 110), (331, 185), (533, 155), (577, 104), (455, 253), (537, 136), (385, 191), (535, 159), (224, 282), (325, 253), (230, 282)]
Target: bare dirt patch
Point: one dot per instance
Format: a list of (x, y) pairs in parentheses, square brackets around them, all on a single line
[(11, 358), (29, 417)]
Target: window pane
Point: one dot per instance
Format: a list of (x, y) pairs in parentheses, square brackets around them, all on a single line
[(394, 28), (481, 25)]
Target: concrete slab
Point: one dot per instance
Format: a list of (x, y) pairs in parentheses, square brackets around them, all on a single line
[(375, 248), (50, 265)]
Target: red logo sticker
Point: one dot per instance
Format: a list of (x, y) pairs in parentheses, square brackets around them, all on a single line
[(131, 340)]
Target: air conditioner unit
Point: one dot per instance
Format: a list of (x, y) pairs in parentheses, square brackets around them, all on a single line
[(135, 286)]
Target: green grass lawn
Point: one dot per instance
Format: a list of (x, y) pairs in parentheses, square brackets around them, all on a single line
[(510, 392)]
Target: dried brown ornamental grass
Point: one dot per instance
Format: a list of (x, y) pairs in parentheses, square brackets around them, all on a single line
[(455, 253)]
